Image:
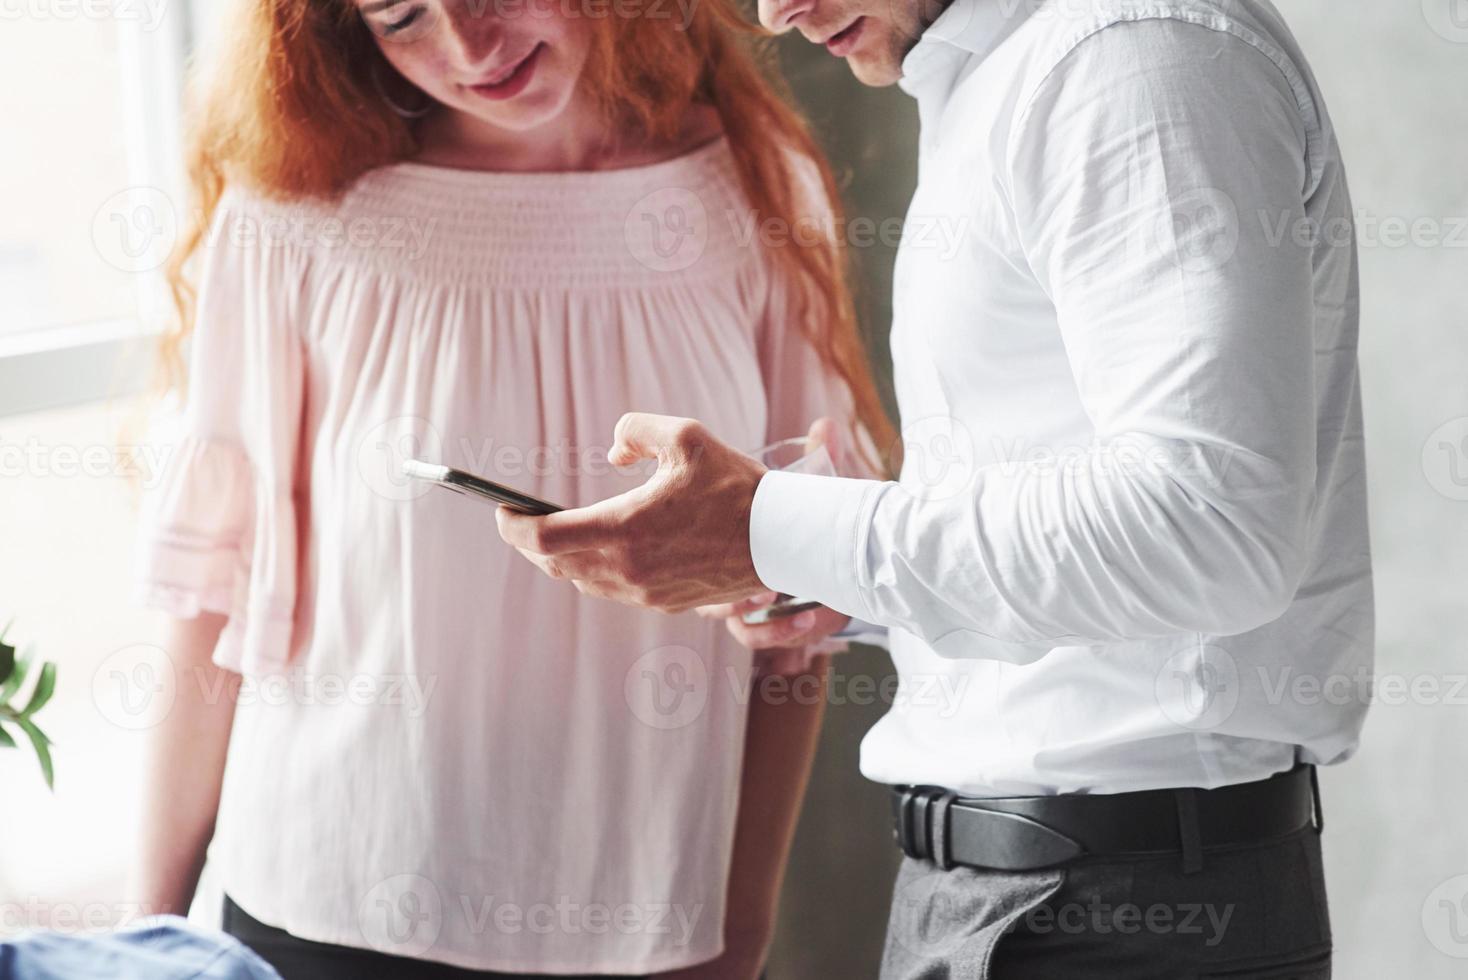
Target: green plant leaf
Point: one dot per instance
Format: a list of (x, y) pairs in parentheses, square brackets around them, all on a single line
[(7, 661), (17, 676), (7, 740), (41, 744), (41, 693)]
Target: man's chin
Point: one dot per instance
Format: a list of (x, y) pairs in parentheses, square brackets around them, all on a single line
[(874, 71)]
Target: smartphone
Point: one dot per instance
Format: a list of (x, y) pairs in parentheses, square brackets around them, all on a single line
[(462, 482), (784, 605)]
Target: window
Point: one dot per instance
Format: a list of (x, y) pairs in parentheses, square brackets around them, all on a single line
[(89, 96)]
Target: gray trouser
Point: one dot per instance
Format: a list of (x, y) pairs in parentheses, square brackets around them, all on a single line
[(1251, 913)]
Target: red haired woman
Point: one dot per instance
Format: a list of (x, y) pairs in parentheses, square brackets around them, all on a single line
[(476, 232)]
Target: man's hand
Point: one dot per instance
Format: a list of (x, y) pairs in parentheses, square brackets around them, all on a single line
[(678, 541)]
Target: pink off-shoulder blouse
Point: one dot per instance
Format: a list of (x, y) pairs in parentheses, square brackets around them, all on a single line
[(439, 752)]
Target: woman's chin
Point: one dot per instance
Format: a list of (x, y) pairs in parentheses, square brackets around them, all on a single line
[(530, 110)]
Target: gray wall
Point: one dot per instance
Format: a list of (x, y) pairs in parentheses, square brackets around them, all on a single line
[(1395, 74)]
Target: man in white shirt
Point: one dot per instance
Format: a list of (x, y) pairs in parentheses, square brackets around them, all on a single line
[(1130, 528)]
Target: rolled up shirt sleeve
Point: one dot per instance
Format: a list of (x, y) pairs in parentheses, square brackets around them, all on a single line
[(1140, 204)]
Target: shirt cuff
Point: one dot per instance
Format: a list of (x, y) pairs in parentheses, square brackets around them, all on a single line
[(807, 535)]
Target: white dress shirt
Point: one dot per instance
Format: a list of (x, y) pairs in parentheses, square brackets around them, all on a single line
[(1128, 548)]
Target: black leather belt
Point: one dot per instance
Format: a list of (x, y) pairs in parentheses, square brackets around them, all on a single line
[(1027, 832)]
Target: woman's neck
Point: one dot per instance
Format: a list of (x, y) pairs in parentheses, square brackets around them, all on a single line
[(576, 140), (579, 139)]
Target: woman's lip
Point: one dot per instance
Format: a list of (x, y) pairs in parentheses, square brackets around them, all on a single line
[(514, 83), (842, 42)]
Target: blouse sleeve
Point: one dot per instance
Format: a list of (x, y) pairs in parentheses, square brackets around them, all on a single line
[(218, 530)]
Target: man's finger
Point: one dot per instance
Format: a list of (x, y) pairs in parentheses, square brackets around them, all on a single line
[(642, 436), (582, 529), (724, 610), (784, 632), (611, 591)]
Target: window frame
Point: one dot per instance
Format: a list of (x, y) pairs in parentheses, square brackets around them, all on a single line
[(61, 365)]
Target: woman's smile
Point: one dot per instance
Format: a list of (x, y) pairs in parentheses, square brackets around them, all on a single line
[(511, 82)]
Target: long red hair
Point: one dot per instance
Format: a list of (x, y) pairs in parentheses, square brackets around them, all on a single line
[(292, 110)]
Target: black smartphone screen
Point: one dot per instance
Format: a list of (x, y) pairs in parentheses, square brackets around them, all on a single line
[(462, 482)]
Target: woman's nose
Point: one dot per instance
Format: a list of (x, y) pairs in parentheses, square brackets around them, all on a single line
[(781, 15), (475, 32)]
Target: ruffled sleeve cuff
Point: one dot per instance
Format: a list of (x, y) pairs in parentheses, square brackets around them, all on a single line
[(212, 539)]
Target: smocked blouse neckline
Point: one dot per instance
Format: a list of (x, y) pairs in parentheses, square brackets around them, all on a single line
[(567, 179)]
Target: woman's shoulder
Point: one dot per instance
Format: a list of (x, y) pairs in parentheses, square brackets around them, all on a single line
[(251, 215)]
